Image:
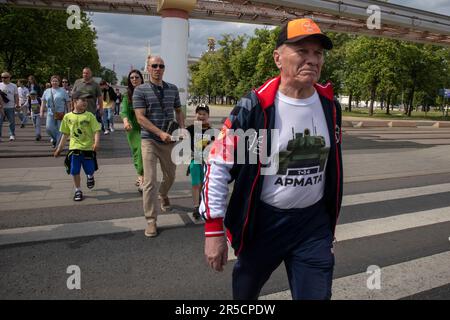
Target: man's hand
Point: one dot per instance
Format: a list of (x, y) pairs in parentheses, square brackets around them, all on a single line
[(127, 125), (57, 152), (216, 252), (96, 147), (165, 137)]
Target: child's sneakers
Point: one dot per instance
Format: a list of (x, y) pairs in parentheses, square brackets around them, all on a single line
[(78, 195), (90, 182)]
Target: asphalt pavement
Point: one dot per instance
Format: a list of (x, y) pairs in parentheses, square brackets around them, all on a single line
[(395, 215)]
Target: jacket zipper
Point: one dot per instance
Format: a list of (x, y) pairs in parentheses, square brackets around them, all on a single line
[(251, 193), (338, 166)]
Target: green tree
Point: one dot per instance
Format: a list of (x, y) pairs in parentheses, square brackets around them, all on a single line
[(370, 61), (124, 81), (36, 41), (333, 69), (253, 65), (108, 75), (206, 81), (229, 48)]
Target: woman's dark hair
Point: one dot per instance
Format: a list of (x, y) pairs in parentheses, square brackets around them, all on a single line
[(130, 89)]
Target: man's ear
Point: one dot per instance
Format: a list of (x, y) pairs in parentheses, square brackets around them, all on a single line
[(277, 58)]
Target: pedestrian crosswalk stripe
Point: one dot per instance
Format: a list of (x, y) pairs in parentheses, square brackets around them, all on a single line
[(347, 231), (378, 196), (397, 281), (83, 229), (373, 227)]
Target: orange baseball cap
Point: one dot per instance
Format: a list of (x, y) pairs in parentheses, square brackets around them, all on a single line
[(299, 29)]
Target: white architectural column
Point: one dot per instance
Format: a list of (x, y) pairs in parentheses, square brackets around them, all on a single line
[(174, 42)]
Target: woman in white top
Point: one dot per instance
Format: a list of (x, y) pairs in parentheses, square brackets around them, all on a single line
[(57, 102)]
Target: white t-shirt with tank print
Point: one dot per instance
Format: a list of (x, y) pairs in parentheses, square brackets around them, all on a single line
[(302, 149)]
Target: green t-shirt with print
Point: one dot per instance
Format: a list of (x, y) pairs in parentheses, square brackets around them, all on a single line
[(81, 127)]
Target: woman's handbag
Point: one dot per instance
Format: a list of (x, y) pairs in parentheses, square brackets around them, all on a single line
[(4, 97), (56, 115)]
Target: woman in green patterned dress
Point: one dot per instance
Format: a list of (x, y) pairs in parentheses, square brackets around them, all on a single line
[(131, 125)]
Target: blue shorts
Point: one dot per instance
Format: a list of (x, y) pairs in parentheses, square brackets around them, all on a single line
[(78, 160)]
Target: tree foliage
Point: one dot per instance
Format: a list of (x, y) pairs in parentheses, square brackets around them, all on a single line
[(38, 42), (364, 68), (108, 75)]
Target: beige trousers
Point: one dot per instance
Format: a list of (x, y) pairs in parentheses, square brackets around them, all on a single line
[(151, 152)]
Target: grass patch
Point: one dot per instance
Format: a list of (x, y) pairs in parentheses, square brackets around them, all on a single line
[(396, 115)]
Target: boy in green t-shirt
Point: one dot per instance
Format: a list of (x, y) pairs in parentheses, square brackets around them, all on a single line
[(84, 131)]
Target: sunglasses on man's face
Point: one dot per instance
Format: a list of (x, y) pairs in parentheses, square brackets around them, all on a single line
[(161, 66)]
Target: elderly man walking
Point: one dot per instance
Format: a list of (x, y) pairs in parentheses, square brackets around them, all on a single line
[(88, 85), (290, 214)]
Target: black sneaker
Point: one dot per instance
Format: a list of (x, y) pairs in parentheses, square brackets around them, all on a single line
[(38, 137), (90, 182), (78, 196)]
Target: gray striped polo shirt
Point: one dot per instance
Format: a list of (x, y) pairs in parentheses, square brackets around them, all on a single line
[(144, 98)]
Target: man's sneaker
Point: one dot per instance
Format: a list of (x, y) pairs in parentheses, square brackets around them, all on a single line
[(165, 203), (151, 230), (12, 138), (38, 137), (112, 129), (22, 126), (78, 196), (90, 182), (106, 132)]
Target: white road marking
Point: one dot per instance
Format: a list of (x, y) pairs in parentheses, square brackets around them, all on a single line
[(397, 281)]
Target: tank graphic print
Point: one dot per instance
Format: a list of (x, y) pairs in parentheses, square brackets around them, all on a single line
[(305, 154)]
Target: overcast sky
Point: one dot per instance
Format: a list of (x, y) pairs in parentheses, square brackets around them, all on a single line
[(122, 39)]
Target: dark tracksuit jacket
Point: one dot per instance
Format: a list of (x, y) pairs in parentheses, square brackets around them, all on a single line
[(256, 111)]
